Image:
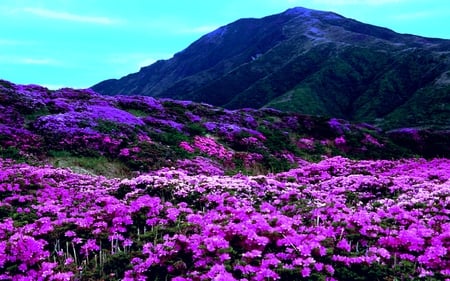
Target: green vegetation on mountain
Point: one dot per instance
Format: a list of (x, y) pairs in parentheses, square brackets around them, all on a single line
[(309, 62)]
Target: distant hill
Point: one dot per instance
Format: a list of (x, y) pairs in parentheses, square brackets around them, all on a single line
[(311, 62)]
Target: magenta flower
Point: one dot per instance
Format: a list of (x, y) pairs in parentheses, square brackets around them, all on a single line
[(306, 272), (340, 141), (186, 146), (344, 245), (70, 233), (89, 246)]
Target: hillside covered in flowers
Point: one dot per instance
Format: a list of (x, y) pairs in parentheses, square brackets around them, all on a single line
[(137, 188)]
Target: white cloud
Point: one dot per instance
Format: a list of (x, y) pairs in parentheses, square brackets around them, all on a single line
[(420, 15), (134, 61), (10, 42), (58, 15), (199, 29), (7, 59), (146, 62), (40, 61), (54, 86), (175, 26)]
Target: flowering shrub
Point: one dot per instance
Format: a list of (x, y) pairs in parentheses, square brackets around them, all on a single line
[(19, 138), (163, 122), (251, 142), (186, 146), (210, 147), (144, 103), (200, 165), (338, 126), (336, 220), (249, 160), (340, 141), (192, 117), (370, 140), (306, 143)]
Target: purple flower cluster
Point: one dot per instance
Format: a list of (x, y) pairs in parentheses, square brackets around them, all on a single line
[(306, 143), (339, 126), (317, 220), (209, 147), (150, 120), (85, 121), (200, 165), (147, 104)]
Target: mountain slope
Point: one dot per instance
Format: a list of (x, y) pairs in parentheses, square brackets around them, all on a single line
[(310, 62), (88, 131)]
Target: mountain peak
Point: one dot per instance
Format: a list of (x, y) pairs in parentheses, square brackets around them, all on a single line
[(305, 12), (298, 11), (307, 61)]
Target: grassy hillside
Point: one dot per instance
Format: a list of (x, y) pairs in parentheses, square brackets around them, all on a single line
[(118, 135), (309, 62)]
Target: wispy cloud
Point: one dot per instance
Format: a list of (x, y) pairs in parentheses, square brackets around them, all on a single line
[(54, 86), (5, 59), (37, 61), (175, 26), (132, 61), (65, 16), (198, 29), (421, 15), (11, 42), (145, 62)]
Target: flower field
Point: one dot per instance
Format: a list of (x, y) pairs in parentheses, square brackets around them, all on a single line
[(334, 220), (136, 188)]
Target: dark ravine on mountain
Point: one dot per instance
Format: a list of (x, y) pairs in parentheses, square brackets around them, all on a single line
[(310, 62)]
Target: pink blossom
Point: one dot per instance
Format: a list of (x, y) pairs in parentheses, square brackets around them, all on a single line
[(340, 141), (306, 143), (186, 146), (344, 245), (306, 272), (89, 246), (124, 152), (70, 233)]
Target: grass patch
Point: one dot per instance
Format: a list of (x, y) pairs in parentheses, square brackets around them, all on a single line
[(12, 153), (91, 165), (137, 112), (36, 114)]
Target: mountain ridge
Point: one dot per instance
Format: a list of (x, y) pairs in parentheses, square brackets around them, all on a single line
[(307, 61)]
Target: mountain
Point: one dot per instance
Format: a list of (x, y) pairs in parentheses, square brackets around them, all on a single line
[(311, 62)]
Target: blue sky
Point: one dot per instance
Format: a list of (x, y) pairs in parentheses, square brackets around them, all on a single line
[(77, 43)]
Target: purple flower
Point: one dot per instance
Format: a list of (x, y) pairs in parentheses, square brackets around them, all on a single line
[(210, 126), (340, 141), (306, 272), (89, 246), (344, 245), (70, 233)]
